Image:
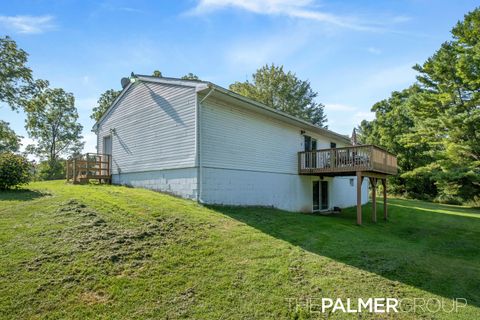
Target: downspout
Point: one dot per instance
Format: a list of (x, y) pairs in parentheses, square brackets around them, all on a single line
[(199, 144)]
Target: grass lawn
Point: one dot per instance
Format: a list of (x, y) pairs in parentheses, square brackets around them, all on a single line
[(115, 252)]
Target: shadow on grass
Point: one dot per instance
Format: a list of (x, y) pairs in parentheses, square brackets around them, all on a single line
[(420, 245), (20, 195)]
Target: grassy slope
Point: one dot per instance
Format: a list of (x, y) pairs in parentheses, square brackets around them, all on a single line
[(111, 252)]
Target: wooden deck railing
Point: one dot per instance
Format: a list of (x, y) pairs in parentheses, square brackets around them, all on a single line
[(88, 166), (348, 159)]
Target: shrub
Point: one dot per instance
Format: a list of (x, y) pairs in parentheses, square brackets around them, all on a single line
[(15, 170), (48, 170)]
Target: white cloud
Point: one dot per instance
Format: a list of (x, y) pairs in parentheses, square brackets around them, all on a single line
[(362, 115), (374, 50), (301, 9), (250, 53), (90, 139), (25, 141), (28, 24), (344, 118)]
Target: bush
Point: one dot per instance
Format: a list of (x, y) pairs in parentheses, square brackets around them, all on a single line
[(15, 171), (47, 170)]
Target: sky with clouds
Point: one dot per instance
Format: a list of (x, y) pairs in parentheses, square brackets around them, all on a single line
[(354, 53)]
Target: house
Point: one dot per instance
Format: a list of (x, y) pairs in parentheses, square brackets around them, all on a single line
[(199, 141)]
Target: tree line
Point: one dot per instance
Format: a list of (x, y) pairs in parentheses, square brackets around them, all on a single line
[(51, 118), (434, 125)]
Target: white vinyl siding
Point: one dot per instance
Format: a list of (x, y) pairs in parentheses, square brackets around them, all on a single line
[(153, 128), (236, 138)]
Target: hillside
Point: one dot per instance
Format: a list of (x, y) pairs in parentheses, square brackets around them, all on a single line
[(115, 252)]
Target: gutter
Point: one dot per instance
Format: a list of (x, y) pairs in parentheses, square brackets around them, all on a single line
[(199, 142)]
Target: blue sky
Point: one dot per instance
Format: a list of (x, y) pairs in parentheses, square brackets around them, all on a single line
[(354, 53)]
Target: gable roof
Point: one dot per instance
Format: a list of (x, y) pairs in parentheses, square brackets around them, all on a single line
[(205, 86)]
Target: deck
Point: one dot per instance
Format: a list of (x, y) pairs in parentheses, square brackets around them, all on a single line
[(83, 168), (347, 161), (365, 161)]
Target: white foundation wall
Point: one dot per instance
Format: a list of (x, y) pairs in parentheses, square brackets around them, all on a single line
[(289, 192), (179, 182), (343, 194)]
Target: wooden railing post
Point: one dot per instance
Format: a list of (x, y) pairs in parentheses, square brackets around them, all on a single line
[(370, 158), (99, 159), (332, 159)]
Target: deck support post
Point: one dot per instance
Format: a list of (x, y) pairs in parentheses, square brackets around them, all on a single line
[(74, 178), (373, 182), (385, 214), (359, 197)]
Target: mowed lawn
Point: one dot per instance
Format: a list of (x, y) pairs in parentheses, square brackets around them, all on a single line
[(113, 252)]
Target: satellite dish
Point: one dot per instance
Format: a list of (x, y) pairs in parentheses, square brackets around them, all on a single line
[(125, 82)]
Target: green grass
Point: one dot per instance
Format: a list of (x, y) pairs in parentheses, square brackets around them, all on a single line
[(114, 252)]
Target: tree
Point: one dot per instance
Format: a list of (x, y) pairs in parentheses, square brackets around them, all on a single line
[(434, 125), (9, 141), (190, 76), (104, 102), (157, 74), (393, 122), (52, 122), (283, 91), (448, 112), (16, 82), (45, 170)]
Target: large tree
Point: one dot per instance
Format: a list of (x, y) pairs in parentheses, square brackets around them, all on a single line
[(393, 122), (448, 110), (9, 141), (104, 102), (283, 91), (16, 82), (435, 128), (52, 121)]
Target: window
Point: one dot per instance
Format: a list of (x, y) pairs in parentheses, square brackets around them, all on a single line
[(310, 144), (307, 143), (351, 182), (333, 145)]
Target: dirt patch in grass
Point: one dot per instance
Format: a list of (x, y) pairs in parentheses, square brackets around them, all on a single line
[(94, 297)]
